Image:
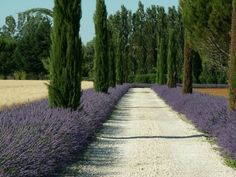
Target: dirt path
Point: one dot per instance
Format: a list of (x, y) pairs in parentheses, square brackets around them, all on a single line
[(145, 138)]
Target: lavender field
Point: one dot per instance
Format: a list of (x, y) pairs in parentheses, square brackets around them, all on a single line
[(102, 88), (36, 140), (209, 114)]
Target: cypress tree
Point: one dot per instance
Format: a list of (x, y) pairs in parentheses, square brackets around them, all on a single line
[(111, 57), (65, 56), (171, 60), (101, 48), (232, 62), (161, 62), (122, 41), (162, 40), (119, 62), (187, 75)]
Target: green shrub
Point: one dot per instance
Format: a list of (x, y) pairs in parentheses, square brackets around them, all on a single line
[(145, 78), (19, 75), (131, 78), (2, 77)]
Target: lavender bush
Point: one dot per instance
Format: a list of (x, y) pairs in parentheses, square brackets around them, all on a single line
[(209, 113), (36, 140)]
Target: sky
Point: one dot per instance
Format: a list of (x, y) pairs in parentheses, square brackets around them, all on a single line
[(12, 7)]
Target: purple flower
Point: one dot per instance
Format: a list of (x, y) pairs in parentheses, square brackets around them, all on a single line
[(36, 140), (210, 114)]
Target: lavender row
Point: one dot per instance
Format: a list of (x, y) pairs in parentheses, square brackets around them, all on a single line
[(209, 114), (36, 140)]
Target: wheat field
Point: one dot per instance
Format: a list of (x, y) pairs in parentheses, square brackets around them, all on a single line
[(214, 91), (13, 92)]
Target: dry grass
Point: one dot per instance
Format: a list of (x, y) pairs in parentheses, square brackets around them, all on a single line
[(18, 92), (214, 91)]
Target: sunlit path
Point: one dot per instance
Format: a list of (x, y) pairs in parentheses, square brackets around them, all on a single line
[(145, 138)]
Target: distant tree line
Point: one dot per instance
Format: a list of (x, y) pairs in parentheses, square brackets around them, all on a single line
[(194, 44), (135, 45), (189, 44), (140, 44), (25, 44)]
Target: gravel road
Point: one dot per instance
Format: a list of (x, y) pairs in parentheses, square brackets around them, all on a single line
[(146, 138)]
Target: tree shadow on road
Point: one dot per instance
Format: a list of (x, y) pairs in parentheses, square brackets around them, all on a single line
[(100, 154), (156, 137)]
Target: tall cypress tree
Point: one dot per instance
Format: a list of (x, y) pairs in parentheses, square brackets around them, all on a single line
[(122, 55), (65, 56), (161, 62), (101, 45), (232, 63), (187, 75), (139, 39), (161, 52), (111, 58), (171, 60), (119, 63)]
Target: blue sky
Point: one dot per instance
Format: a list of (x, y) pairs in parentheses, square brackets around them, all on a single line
[(12, 7)]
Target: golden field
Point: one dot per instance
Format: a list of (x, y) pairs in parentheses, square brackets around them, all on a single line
[(17, 92), (214, 91)]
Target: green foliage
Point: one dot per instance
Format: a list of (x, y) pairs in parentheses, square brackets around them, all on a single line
[(142, 78), (179, 47), (229, 161), (161, 76), (211, 76), (111, 58), (66, 55), (46, 64), (232, 63), (209, 25), (139, 38), (42, 11), (166, 24), (187, 71), (2, 77), (151, 33), (162, 40), (171, 60), (125, 29), (8, 30), (120, 25), (27, 43), (19, 75), (145, 78), (119, 63), (88, 58), (101, 83), (197, 67), (33, 44), (131, 78), (7, 63)]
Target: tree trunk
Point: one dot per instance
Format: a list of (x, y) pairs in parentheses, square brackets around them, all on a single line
[(232, 62), (187, 75)]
